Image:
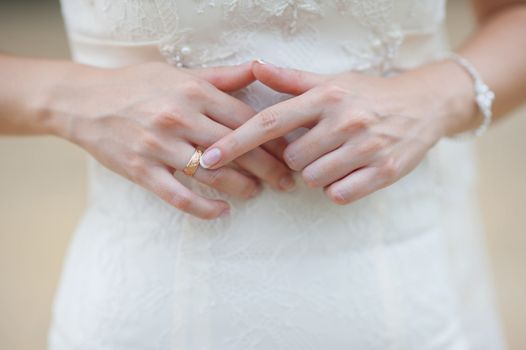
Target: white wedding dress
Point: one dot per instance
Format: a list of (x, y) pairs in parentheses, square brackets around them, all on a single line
[(400, 269)]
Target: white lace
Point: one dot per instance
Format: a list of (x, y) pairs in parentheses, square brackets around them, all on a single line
[(383, 24)]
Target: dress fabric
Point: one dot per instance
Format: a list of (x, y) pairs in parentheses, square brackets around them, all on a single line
[(400, 269)]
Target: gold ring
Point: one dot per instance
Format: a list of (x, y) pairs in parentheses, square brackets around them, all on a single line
[(193, 163)]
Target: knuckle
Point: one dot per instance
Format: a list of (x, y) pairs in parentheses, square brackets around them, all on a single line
[(148, 143), (292, 158), (169, 119), (138, 169), (193, 90), (162, 192), (353, 122), (347, 125), (269, 121), (314, 176), (181, 201), (390, 169), (372, 146), (338, 196), (231, 142), (332, 93), (360, 121), (311, 177)]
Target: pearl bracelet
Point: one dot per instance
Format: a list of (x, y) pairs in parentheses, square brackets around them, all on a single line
[(483, 95)]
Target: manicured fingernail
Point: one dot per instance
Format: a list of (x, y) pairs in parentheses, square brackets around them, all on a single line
[(261, 61), (287, 183), (225, 213), (210, 158)]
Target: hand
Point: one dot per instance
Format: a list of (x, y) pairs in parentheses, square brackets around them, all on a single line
[(365, 132), (145, 121)]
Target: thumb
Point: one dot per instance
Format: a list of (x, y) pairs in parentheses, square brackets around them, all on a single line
[(227, 78), (286, 80)]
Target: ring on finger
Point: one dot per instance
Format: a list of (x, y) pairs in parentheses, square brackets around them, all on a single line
[(193, 164)]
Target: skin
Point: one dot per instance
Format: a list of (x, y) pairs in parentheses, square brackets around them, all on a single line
[(368, 132), (144, 121)]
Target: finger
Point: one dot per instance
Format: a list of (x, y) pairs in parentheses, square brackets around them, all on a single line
[(269, 124), (267, 168), (226, 109), (161, 182), (205, 131), (225, 179), (258, 162), (312, 145), (276, 147), (233, 113), (356, 185), (286, 80), (226, 78), (335, 165), (229, 181)]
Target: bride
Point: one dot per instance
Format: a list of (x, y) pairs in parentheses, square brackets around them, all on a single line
[(273, 174)]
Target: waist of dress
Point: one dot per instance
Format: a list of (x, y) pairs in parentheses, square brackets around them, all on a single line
[(407, 209), (326, 55)]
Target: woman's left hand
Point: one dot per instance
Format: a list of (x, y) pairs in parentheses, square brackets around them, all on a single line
[(365, 132)]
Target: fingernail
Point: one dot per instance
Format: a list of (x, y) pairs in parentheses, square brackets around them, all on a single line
[(261, 61), (225, 213), (210, 158), (287, 183)]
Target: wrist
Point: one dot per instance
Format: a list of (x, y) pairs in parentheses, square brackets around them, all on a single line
[(450, 92), (60, 105), (27, 97)]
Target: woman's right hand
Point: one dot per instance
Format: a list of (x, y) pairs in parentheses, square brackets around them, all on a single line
[(145, 121)]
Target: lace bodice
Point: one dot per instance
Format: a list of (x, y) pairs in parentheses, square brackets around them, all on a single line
[(194, 33)]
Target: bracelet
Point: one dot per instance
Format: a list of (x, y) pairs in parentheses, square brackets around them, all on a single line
[(483, 95)]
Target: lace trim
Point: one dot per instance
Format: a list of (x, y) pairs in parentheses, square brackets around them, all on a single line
[(290, 17), (379, 55)]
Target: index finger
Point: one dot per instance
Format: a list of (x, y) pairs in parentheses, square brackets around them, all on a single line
[(266, 125), (232, 113)]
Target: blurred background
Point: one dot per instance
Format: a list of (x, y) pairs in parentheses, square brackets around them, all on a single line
[(42, 194)]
